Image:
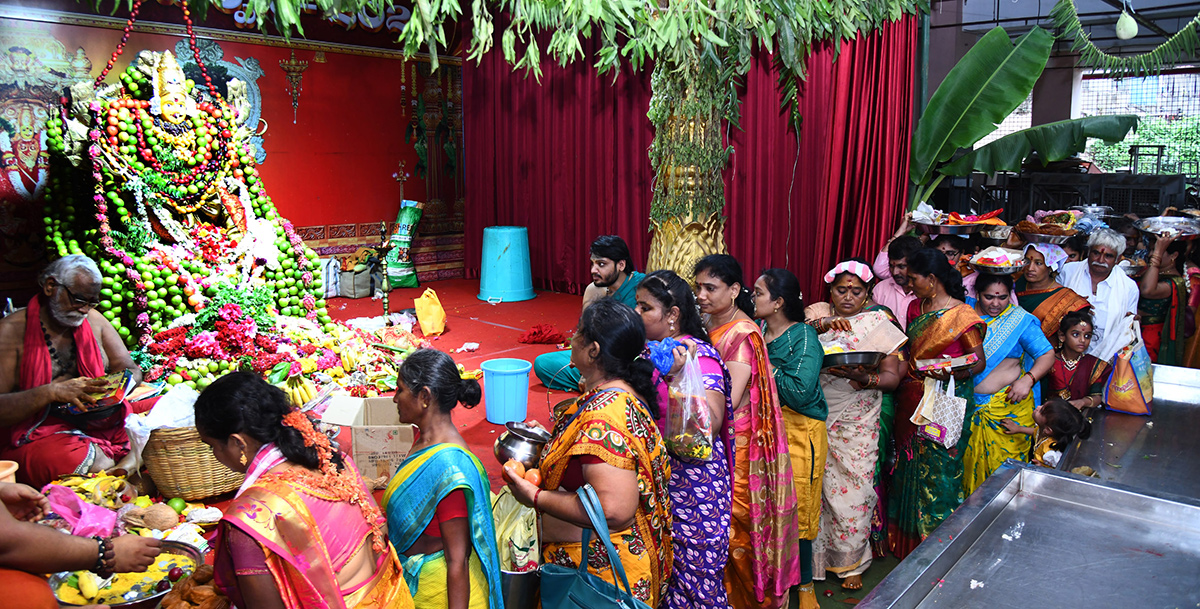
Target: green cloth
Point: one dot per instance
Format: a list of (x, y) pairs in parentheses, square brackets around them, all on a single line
[(553, 369), (796, 356), (627, 294)]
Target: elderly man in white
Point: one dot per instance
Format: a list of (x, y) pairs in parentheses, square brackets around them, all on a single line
[(1113, 294)]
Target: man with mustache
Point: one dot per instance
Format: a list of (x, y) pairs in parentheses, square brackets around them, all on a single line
[(51, 353), (612, 275), (1113, 294)]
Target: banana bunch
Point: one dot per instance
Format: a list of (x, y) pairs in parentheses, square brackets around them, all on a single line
[(300, 390), (349, 360), (100, 489)]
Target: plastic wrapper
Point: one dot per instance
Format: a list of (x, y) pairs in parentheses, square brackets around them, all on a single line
[(86, 520), (516, 533), (688, 432)]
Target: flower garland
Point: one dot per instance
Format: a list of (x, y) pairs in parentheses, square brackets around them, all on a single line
[(344, 484), (140, 301)]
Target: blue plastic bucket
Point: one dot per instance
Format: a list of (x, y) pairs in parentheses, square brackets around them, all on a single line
[(506, 389), (504, 274)]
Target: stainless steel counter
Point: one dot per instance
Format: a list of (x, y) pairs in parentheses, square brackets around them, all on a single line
[(1036, 537), (1158, 453)]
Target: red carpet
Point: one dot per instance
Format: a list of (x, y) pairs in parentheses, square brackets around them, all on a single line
[(496, 328)]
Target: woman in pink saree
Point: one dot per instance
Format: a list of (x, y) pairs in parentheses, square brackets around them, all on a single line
[(303, 530)]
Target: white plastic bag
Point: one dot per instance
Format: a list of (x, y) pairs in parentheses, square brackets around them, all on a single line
[(688, 432)]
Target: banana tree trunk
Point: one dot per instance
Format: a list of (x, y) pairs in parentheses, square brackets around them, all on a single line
[(679, 242)]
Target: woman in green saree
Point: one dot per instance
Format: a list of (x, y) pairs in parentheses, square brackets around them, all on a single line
[(927, 483), (1163, 303), (439, 507)]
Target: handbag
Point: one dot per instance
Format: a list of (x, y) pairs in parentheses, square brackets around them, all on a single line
[(1130, 389), (939, 416), (567, 588)]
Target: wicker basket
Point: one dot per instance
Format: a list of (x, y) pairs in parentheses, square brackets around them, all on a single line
[(183, 466)]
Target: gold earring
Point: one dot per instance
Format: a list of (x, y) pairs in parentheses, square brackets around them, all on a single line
[(425, 405), (242, 459)]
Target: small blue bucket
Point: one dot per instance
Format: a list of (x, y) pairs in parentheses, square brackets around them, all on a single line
[(504, 273), (506, 389)]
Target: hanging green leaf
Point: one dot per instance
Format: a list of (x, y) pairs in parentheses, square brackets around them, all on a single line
[(1052, 142), (983, 88), (1182, 45)]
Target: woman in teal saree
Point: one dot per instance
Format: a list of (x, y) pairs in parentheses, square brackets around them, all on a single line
[(439, 508)]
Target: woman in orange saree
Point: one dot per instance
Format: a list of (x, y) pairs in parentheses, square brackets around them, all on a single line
[(303, 530), (763, 550), (927, 483)]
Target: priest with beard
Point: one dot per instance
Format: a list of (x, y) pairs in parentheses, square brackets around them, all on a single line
[(51, 355), (613, 276)]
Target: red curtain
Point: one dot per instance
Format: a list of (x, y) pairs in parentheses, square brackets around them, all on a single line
[(567, 158)]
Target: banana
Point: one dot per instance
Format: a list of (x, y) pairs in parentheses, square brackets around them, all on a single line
[(88, 584)]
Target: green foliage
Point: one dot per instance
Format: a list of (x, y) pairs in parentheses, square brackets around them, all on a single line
[(1182, 45), (687, 154), (1052, 142), (984, 87), (1181, 136), (255, 303)]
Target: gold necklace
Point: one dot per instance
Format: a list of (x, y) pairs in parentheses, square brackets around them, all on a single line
[(1070, 364)]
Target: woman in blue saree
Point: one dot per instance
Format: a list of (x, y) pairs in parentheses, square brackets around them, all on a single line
[(439, 509), (1018, 355)]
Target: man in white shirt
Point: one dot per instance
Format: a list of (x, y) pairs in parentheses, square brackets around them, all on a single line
[(1113, 294)]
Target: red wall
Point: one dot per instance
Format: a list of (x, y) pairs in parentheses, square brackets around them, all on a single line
[(335, 164)]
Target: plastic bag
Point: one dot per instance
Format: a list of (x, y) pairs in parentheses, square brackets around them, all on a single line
[(400, 269), (688, 431), (1130, 389), (516, 533), (430, 313), (86, 520)]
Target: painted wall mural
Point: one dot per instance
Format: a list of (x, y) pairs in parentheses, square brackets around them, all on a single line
[(34, 69)]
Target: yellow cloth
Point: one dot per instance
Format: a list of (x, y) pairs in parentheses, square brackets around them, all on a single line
[(429, 595), (808, 443), (989, 445)]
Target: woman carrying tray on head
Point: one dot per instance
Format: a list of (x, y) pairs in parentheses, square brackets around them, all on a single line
[(852, 490), (1018, 356), (927, 484), (1040, 294)]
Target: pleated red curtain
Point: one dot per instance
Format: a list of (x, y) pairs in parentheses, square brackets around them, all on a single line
[(851, 159), (567, 158)]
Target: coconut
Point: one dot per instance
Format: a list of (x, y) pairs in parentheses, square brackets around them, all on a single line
[(160, 516)]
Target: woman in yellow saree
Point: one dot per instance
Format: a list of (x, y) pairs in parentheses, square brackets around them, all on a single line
[(927, 482), (303, 530), (1018, 357), (764, 560), (607, 438), (439, 507)]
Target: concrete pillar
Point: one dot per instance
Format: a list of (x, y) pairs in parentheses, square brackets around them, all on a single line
[(1057, 93)]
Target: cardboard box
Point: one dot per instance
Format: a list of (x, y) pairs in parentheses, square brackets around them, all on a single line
[(378, 441)]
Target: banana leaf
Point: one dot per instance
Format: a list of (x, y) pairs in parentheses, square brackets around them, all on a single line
[(1052, 142), (984, 87)]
